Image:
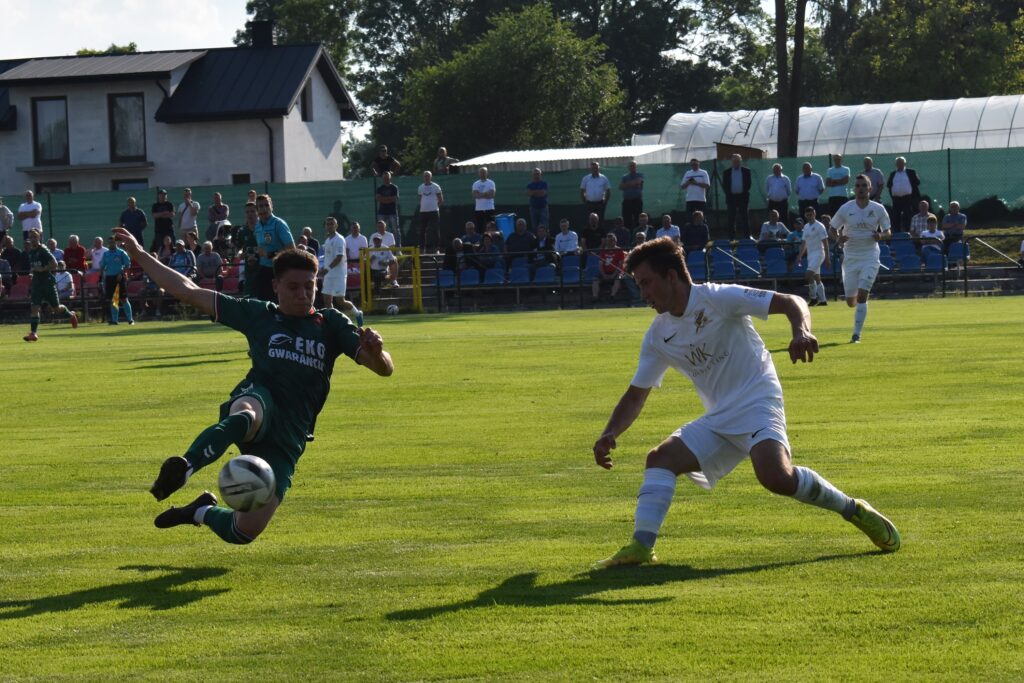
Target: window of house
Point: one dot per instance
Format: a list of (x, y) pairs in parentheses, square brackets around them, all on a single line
[(52, 188), (127, 127), (130, 184), (240, 179), (50, 130), (307, 102)]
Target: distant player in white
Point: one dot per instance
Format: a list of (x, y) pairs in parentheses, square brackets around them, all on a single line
[(705, 333), (861, 224), (815, 245), (335, 270)]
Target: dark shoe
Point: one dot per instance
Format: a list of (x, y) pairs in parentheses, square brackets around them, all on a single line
[(823, 303), (171, 478), (184, 515)]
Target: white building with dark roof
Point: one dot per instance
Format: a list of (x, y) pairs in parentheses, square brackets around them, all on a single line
[(240, 115)]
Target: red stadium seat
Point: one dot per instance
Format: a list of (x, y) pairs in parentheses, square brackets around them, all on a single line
[(231, 271), (20, 288), (231, 285), (208, 283), (135, 286)]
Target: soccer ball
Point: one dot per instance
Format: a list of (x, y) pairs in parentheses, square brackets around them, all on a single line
[(392, 309), (246, 483)]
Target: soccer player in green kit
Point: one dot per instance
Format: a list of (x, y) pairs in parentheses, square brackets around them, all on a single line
[(44, 285), (271, 413)]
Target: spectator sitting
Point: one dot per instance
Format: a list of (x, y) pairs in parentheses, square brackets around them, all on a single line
[(303, 244), (643, 225), (166, 252), (223, 244), (621, 232), (544, 251), (931, 233), (695, 235), (96, 255), (65, 282), (521, 242), (641, 237), (489, 255), (74, 255), (593, 235), (383, 264), (566, 241), (455, 257), (58, 253), (12, 255), (953, 224), (183, 260), (192, 243), (668, 229), (794, 239), (472, 239), (311, 241), (209, 264), (6, 277), (919, 221), (773, 232), (152, 297), (496, 236), (610, 260)]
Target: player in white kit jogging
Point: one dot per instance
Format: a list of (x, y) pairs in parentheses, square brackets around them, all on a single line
[(815, 245), (861, 224), (335, 270), (705, 333)]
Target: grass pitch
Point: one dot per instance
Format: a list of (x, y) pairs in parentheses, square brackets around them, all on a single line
[(442, 524)]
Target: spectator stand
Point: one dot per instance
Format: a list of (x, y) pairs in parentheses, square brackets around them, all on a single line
[(376, 296)]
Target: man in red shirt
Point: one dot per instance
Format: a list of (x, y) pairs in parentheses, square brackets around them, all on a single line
[(74, 255), (610, 260)]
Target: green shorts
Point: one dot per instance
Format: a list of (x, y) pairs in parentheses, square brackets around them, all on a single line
[(44, 292), (275, 441)]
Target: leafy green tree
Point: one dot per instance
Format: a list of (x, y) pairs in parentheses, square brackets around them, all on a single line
[(306, 21), (528, 83), (114, 49)]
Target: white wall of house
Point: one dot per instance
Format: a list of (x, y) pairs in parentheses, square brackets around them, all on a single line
[(312, 150), (205, 153)]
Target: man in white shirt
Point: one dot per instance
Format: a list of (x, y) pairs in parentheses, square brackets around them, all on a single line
[(30, 214), (919, 221), (335, 272), (809, 187), (860, 224), (595, 191), (696, 182), (773, 232), (386, 260), (566, 241), (96, 254), (815, 246), (431, 199), (904, 188), (483, 198), (188, 211), (837, 178), (6, 219), (354, 244), (65, 282), (931, 233), (705, 332), (778, 189)]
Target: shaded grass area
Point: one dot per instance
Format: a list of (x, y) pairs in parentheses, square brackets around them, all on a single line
[(442, 524)]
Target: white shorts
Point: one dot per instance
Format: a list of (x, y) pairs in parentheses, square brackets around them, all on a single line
[(859, 275), (719, 453), (814, 262), (335, 283)]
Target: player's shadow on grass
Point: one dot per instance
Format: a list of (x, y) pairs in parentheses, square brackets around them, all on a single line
[(161, 592), (522, 590)]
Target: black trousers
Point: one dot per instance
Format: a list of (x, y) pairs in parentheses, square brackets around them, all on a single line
[(631, 210), (263, 284), (903, 210), (736, 214), (430, 231), (782, 207), (598, 208), (696, 206)]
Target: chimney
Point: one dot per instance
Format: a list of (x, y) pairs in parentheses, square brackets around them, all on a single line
[(262, 32)]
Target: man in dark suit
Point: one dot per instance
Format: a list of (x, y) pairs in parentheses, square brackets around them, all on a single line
[(904, 188), (736, 185)]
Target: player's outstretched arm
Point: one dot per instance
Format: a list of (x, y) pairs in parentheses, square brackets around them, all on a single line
[(372, 354), (625, 413), (171, 281), (804, 344)]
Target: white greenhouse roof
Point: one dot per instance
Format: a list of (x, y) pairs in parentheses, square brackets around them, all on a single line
[(567, 159), (966, 123)]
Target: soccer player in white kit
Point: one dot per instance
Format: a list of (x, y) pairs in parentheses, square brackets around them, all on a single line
[(335, 270), (815, 245), (861, 224), (705, 333)]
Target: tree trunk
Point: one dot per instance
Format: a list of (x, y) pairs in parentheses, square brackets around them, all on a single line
[(786, 139)]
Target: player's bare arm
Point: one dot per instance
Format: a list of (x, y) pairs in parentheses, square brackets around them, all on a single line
[(625, 413), (171, 281), (372, 354), (804, 344)]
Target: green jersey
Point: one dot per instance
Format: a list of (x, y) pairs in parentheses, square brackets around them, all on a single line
[(292, 356), (39, 257)]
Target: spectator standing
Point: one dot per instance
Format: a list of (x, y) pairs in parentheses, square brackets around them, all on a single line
[(695, 235), (610, 261), (632, 187), (387, 204), (431, 200), (668, 229), (876, 177), (443, 162), (696, 182), (483, 198), (919, 222), (904, 188), (778, 189), (272, 237), (133, 219), (384, 162), (809, 187), (355, 243), (595, 191), (114, 264), (188, 214), (521, 243), (312, 242), (736, 185), (953, 225), (97, 254), (593, 235), (74, 255), (209, 264), (838, 181), (30, 214), (216, 216), (163, 219), (537, 191), (6, 219), (566, 241)]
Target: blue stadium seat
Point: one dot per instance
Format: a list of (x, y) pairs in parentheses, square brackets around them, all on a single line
[(799, 267), (723, 270), (446, 278), (958, 251), (751, 267), (887, 262), (775, 267), (698, 271), (909, 263), (470, 277), (828, 269), (592, 270), (747, 252), (901, 248), (935, 262), (519, 275), (571, 261), (518, 262), (494, 276), (774, 254), (544, 275), (570, 276), (746, 242), (930, 249), (884, 250), (694, 257)]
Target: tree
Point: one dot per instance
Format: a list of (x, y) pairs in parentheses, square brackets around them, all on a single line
[(306, 21), (527, 83), (789, 75), (114, 49)]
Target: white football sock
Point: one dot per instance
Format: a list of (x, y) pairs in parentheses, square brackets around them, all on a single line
[(201, 514), (813, 489), (821, 292), (652, 504), (859, 316), (812, 289)]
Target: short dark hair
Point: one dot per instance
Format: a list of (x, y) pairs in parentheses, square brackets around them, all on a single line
[(662, 255), (294, 259)]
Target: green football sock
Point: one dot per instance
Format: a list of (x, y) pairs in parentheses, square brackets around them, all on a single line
[(214, 440), (221, 521), (35, 323)]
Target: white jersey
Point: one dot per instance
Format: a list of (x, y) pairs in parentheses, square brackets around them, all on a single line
[(714, 343), (814, 233), (334, 246), (860, 226)]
